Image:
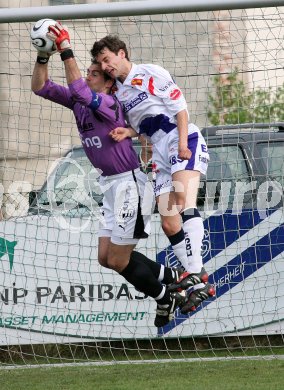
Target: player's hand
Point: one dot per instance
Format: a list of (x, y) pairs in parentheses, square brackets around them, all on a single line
[(184, 153), (60, 36), (119, 133)]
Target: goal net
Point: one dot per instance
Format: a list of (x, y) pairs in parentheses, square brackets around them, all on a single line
[(57, 305)]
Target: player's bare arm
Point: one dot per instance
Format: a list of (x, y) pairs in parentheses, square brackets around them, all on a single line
[(40, 72), (72, 71), (182, 124), (39, 76)]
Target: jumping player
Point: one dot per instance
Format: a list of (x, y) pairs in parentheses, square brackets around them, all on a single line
[(155, 107), (97, 113)]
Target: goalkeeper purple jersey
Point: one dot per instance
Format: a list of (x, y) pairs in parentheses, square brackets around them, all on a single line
[(96, 115)]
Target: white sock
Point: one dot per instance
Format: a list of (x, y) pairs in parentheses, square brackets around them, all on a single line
[(180, 252), (162, 273), (178, 244), (194, 233)]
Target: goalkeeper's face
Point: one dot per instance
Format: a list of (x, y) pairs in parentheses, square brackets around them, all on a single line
[(115, 65), (96, 79)]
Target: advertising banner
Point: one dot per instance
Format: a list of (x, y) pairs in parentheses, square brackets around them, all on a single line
[(52, 288)]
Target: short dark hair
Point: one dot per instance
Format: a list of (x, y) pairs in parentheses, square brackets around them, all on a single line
[(111, 42)]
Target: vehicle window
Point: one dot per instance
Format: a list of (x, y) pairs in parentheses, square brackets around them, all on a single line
[(74, 183), (226, 163), (72, 176), (227, 168), (272, 155)]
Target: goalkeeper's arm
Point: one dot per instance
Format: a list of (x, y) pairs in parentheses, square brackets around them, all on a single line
[(40, 73), (60, 35)]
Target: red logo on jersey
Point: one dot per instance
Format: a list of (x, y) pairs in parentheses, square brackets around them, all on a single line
[(136, 82), (175, 94), (151, 87)]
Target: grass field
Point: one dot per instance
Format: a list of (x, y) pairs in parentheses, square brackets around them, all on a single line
[(210, 375)]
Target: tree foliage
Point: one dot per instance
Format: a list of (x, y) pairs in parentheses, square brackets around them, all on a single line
[(231, 103)]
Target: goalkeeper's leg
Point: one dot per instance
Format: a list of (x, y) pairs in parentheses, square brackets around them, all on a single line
[(165, 275), (142, 274)]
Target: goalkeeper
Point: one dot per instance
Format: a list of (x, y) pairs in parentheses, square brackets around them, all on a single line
[(156, 108), (97, 113)]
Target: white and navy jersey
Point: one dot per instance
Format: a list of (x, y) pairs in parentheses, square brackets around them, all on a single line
[(150, 100)]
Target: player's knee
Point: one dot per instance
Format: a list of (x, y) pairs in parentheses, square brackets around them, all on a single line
[(180, 200), (169, 227), (115, 263), (103, 261)]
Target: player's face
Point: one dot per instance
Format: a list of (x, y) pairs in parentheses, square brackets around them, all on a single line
[(111, 63), (95, 78)]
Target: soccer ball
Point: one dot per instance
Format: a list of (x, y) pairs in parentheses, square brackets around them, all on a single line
[(38, 35)]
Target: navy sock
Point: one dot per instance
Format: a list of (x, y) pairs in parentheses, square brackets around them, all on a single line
[(141, 277), (162, 273)]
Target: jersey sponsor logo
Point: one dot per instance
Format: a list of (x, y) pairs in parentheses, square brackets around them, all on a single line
[(136, 81), (175, 94), (203, 159), (85, 126), (134, 102), (124, 216), (93, 141), (126, 213), (174, 160), (165, 184), (166, 86)]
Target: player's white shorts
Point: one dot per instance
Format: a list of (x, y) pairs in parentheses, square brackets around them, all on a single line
[(127, 207), (166, 161)]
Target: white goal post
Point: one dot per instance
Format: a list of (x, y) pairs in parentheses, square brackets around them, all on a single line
[(120, 9), (227, 57)]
